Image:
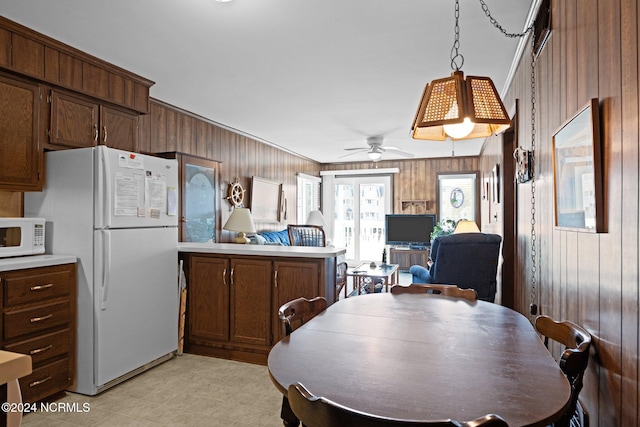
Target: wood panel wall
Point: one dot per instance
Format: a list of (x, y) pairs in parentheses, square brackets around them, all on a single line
[(417, 179), (168, 128), (591, 279)]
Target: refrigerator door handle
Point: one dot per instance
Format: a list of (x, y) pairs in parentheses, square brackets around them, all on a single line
[(106, 241), (107, 195)]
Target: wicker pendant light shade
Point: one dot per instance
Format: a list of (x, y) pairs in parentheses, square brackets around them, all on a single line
[(451, 100)]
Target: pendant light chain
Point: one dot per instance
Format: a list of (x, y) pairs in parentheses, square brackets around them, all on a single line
[(456, 43), (495, 23), (533, 308)]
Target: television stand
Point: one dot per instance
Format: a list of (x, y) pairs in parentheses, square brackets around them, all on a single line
[(405, 257)]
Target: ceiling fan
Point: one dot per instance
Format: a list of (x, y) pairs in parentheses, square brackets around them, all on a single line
[(376, 149)]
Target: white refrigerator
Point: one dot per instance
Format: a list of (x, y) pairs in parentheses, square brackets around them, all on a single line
[(117, 212)]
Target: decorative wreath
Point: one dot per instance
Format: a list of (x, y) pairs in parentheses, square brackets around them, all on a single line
[(235, 193)]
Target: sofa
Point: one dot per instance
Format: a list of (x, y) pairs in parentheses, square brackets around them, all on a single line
[(468, 260), (277, 238)]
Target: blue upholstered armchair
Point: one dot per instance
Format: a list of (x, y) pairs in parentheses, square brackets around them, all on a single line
[(468, 260)]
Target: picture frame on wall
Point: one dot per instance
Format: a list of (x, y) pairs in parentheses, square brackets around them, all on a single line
[(495, 183), (577, 172), (266, 200)]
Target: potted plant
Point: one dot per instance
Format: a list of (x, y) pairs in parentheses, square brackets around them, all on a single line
[(443, 227)]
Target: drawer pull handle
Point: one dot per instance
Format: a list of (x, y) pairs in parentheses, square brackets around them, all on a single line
[(37, 383), (41, 287), (40, 319), (40, 350)]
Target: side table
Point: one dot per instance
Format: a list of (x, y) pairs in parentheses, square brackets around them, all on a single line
[(364, 274)]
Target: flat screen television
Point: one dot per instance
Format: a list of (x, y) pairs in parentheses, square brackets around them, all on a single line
[(409, 230)]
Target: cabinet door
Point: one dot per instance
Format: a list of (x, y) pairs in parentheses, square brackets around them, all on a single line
[(119, 129), (21, 159), (208, 295), (74, 121), (251, 301), (293, 279), (198, 205)]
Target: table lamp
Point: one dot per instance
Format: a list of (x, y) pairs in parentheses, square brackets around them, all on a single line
[(316, 218), (241, 221), (465, 226)]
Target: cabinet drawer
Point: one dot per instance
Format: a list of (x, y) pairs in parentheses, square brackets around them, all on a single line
[(36, 287), (43, 347), (45, 381), (34, 319)]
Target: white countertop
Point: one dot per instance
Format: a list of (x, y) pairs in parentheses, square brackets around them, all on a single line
[(263, 250), (32, 261)]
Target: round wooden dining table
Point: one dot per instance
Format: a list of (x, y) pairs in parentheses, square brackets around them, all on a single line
[(424, 357)]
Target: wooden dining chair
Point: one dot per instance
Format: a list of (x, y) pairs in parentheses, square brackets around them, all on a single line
[(299, 311), (573, 361), (316, 411), (306, 235), (429, 288), (294, 314), (341, 279)]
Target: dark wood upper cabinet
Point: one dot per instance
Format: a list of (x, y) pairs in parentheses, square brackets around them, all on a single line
[(35, 55), (74, 121), (118, 129), (79, 122), (21, 160)]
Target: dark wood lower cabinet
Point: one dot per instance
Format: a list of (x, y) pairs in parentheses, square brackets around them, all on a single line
[(408, 257), (233, 301), (38, 313)]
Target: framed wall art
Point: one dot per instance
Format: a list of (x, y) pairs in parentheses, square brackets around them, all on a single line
[(265, 200), (495, 183), (577, 172)]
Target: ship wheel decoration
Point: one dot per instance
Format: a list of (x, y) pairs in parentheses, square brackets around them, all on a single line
[(235, 193)]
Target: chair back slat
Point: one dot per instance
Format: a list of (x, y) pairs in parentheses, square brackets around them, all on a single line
[(297, 312), (306, 235), (429, 288), (574, 359), (341, 279), (314, 411)]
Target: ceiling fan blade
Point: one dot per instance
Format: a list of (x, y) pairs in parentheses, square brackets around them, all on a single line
[(355, 152), (398, 152), (356, 148)]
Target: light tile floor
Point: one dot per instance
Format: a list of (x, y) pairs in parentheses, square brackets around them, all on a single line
[(188, 390)]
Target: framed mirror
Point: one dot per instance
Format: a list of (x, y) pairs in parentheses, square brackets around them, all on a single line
[(577, 172)]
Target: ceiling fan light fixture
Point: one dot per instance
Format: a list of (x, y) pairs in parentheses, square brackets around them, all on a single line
[(374, 155)]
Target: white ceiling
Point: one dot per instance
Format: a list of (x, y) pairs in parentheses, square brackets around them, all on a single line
[(310, 76)]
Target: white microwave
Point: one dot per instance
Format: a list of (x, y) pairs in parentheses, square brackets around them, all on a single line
[(21, 236)]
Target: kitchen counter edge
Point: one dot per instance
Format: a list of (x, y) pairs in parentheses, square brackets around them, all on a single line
[(34, 261), (262, 250)]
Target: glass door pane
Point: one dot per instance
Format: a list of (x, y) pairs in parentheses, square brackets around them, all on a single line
[(200, 203), (360, 207)]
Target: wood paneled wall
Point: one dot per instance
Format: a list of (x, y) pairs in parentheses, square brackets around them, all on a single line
[(591, 279), (168, 128), (417, 179)]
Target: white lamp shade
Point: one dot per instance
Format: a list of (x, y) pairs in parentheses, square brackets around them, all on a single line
[(240, 220), (316, 218), (465, 226)]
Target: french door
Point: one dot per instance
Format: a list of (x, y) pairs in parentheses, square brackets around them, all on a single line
[(360, 205)]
